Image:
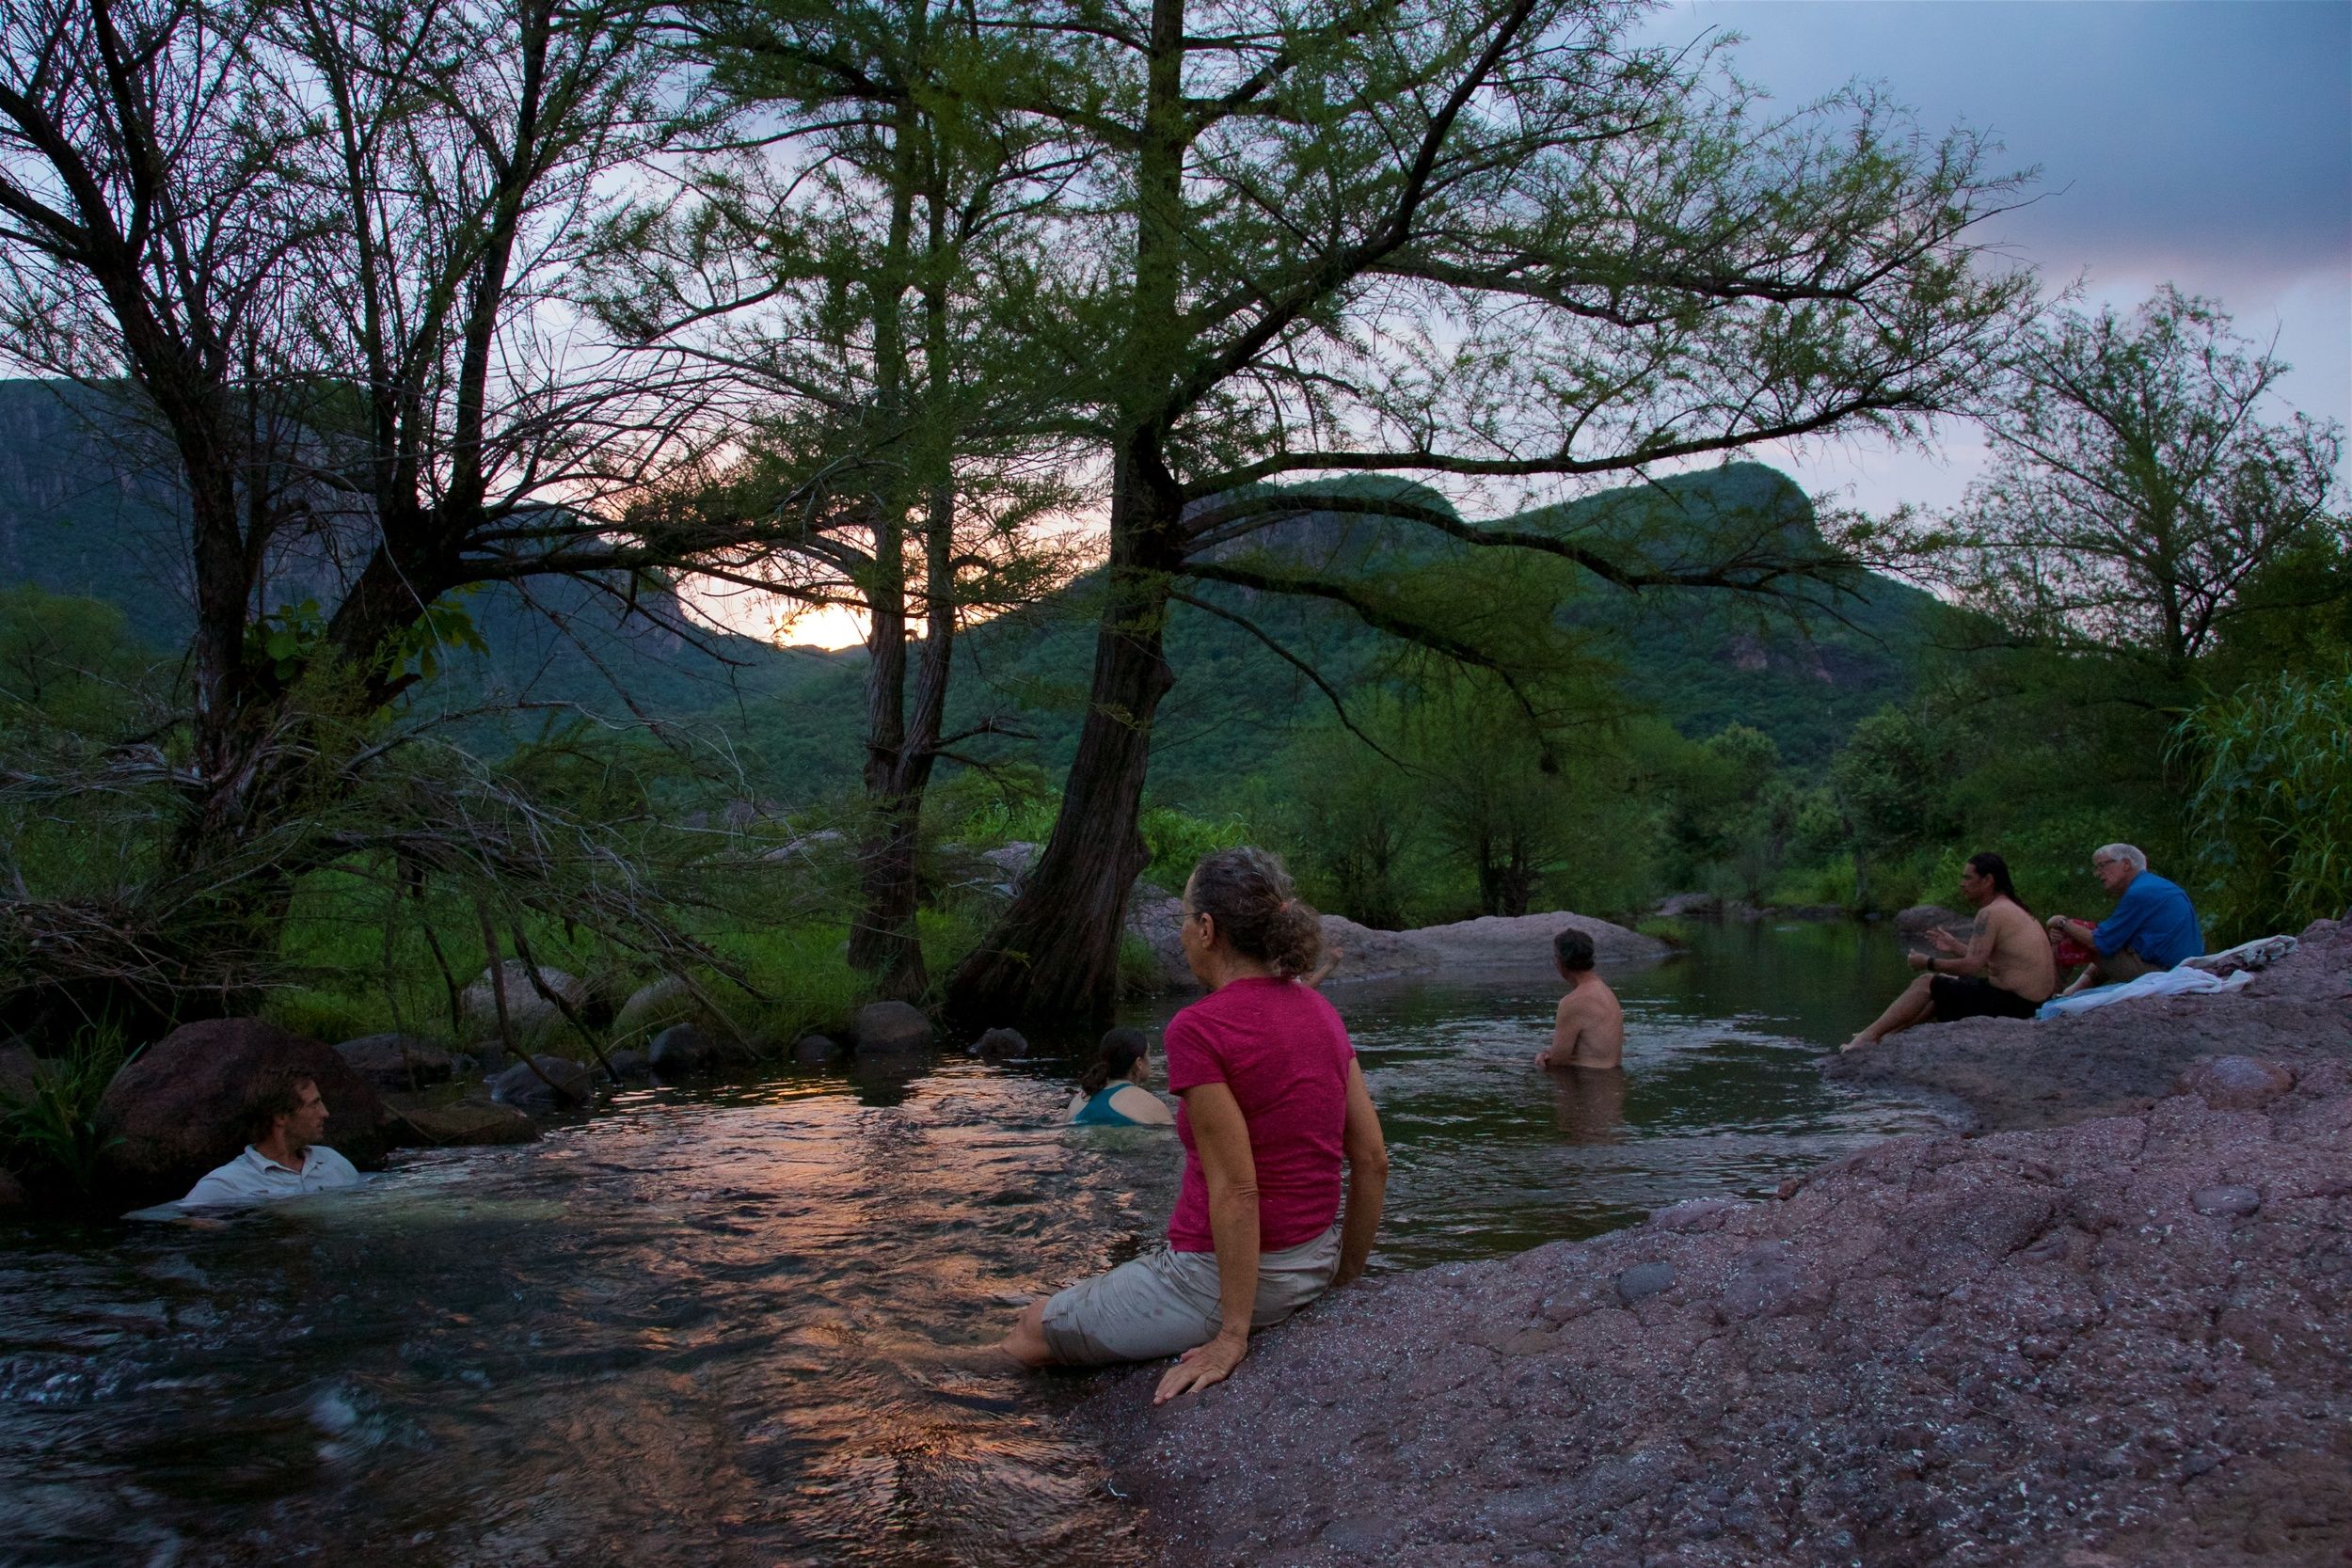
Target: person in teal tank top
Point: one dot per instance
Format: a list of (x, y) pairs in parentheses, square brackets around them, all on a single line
[(1112, 1093)]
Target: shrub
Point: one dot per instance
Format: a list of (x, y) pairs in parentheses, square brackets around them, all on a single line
[(2270, 815), (51, 1132)]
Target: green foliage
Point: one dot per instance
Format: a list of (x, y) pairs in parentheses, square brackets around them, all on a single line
[(51, 1132), (1177, 840), (2272, 802)]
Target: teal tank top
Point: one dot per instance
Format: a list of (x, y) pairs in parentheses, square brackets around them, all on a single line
[(1100, 1112)]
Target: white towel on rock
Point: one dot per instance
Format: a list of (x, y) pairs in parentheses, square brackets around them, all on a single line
[(2164, 982)]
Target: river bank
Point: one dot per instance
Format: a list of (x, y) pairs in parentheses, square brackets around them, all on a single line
[(2106, 1325)]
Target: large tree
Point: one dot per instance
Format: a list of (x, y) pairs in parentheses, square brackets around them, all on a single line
[(320, 252), (850, 248), (2143, 475), (1491, 245)]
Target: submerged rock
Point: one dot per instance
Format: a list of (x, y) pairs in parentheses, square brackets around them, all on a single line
[(691, 1048), (560, 1081), (460, 1123), (177, 1109), (1001, 1045), (892, 1032), (817, 1050)]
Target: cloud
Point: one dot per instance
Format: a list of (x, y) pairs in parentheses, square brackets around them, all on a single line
[(2205, 144)]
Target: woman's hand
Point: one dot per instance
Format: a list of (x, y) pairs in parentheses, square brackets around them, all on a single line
[(1201, 1366)]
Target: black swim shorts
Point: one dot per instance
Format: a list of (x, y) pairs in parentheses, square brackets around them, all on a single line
[(1972, 996)]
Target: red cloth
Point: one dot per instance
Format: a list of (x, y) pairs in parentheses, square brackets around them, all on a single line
[(1284, 1052), (2069, 953)]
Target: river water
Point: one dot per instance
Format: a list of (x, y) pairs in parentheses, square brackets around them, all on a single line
[(748, 1325)]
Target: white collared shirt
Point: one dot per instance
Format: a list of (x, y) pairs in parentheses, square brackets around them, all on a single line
[(253, 1177)]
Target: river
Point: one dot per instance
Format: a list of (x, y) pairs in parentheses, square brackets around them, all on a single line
[(748, 1324)]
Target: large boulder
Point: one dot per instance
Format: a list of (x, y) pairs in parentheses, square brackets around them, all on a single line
[(817, 1050), (691, 1048), (398, 1061), (890, 1032), (560, 1081), (652, 1008), (1919, 919), (535, 1020), (177, 1110), (459, 1123), (19, 1069)]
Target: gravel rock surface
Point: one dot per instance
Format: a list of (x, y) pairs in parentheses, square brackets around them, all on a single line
[(2123, 1340)]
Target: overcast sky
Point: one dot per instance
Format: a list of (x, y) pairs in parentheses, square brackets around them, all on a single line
[(2207, 143)]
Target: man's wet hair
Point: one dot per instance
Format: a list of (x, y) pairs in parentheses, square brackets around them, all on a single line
[(274, 1095), (1574, 950)]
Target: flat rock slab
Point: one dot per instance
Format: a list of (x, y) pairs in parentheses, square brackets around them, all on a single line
[(2123, 1340), (2123, 1057), (1504, 942)]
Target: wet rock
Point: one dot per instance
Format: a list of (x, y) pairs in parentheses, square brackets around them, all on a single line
[(1001, 1045), (817, 1050), (2225, 1200), (1644, 1280), (560, 1081), (2237, 1082), (459, 1123), (628, 1064), (690, 1048), (177, 1109), (890, 1032), (398, 1061)]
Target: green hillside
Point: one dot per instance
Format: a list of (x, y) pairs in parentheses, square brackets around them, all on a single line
[(81, 513)]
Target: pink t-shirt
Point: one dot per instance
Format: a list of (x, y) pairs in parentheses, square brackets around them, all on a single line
[(1284, 1052)]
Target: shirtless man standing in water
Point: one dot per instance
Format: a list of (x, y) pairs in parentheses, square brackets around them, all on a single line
[(1589, 1029)]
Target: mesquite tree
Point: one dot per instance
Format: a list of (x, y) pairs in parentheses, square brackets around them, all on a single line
[(1484, 243), (2140, 479)]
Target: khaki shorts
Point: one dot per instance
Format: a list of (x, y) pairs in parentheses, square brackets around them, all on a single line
[(1164, 1303)]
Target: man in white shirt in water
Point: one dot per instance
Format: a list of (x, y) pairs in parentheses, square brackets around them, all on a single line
[(286, 1118)]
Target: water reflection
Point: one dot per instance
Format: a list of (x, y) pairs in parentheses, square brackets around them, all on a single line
[(1589, 1103), (742, 1325)]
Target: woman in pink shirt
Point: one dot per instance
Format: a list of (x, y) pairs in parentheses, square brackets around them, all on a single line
[(1274, 1108)]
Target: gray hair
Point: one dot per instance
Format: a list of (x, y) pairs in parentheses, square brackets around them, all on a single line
[(2129, 854)]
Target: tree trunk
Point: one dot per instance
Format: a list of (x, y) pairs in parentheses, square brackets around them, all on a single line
[(1055, 955)]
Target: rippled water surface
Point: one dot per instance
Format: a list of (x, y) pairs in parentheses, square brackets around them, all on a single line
[(746, 1325)]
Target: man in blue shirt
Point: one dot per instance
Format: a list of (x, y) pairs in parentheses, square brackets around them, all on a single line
[(2154, 927)]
